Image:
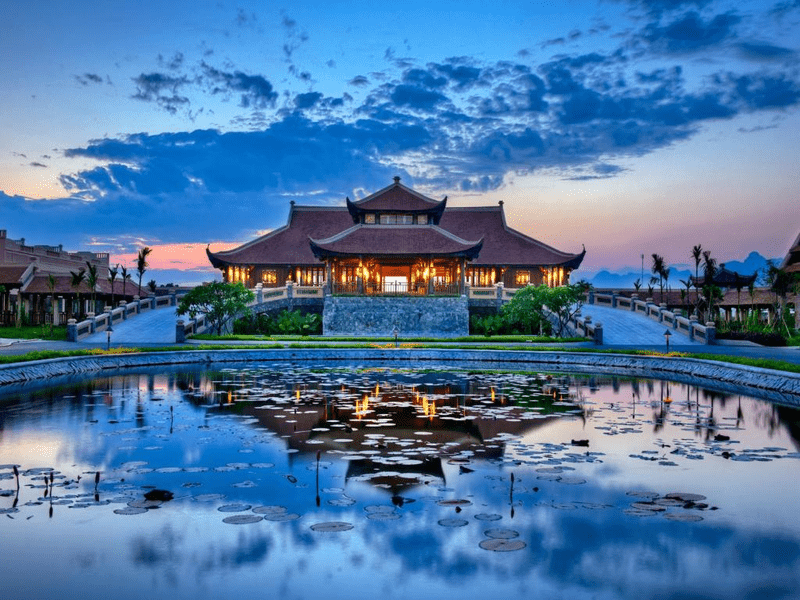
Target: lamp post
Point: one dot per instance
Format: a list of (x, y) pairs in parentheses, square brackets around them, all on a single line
[(395, 333), (108, 337), (667, 335)]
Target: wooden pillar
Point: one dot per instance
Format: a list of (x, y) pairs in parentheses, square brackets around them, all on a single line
[(462, 283)]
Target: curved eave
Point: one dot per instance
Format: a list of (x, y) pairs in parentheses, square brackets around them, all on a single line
[(216, 262), (321, 252), (436, 211), (574, 262)]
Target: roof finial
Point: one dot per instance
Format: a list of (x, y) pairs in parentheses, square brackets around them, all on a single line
[(500, 203), (397, 179)]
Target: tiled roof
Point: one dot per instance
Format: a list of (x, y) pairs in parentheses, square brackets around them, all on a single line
[(395, 240), (397, 197), (39, 285), (10, 275), (502, 245)]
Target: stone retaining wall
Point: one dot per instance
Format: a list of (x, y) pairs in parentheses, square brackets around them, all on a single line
[(776, 386), (377, 316)]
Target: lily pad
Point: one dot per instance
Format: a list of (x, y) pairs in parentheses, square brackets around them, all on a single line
[(453, 522), (234, 508), (501, 534), (242, 519), (332, 527), (501, 545)]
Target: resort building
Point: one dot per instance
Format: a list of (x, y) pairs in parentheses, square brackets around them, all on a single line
[(396, 241), (36, 283)]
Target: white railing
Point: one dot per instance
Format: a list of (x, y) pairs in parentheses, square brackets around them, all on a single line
[(77, 331), (691, 327)]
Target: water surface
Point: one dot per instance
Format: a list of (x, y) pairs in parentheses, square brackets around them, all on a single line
[(392, 483)]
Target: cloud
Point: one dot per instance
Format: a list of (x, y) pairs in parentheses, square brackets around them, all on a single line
[(88, 78), (690, 33), (254, 90), (764, 52), (359, 81), (174, 63), (162, 89), (38, 164)]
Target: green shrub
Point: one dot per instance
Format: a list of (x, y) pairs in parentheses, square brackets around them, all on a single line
[(285, 323)]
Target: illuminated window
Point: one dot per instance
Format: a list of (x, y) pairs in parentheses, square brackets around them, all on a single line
[(388, 219), (369, 218), (270, 277), (422, 219), (405, 219), (522, 278)]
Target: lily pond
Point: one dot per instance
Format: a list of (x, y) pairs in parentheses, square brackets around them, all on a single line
[(360, 482)]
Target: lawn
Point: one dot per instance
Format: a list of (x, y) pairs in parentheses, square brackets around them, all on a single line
[(34, 332)]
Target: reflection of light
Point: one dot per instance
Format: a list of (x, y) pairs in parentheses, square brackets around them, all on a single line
[(492, 394), (297, 395), (230, 397)]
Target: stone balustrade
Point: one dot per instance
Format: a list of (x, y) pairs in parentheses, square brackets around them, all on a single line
[(705, 333), (77, 331)]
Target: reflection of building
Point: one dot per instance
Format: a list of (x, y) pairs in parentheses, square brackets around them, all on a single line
[(26, 288), (396, 241)]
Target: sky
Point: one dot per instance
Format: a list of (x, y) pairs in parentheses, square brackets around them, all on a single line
[(629, 126)]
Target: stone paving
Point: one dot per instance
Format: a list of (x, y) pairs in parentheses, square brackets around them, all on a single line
[(152, 326), (623, 327)]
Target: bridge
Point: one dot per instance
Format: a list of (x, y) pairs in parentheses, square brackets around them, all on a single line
[(606, 318)]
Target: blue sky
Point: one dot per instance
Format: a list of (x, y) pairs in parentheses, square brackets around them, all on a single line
[(628, 126)]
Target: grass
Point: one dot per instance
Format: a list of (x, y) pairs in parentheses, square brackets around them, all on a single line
[(777, 365), (401, 339), (34, 332)]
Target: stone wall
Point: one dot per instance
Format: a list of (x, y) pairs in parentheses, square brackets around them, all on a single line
[(378, 316)]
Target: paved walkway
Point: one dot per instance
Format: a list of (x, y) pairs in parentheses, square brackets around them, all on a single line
[(623, 327), (152, 327)]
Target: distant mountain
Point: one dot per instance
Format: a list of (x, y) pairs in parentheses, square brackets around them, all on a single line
[(625, 277)]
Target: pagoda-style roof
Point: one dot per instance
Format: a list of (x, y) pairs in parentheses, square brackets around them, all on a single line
[(725, 278), (503, 245), (290, 245), (396, 198), (791, 263), (395, 240)]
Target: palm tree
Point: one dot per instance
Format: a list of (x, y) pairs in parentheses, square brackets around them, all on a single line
[(51, 285), (151, 285), (141, 264), (637, 285), (112, 275), (91, 280), (658, 269), (697, 252), (77, 280), (709, 271), (688, 284), (125, 277)]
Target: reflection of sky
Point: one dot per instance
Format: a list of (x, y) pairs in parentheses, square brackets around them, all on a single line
[(580, 543)]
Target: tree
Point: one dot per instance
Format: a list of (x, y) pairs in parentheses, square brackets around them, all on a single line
[(658, 269), (152, 285), (112, 275), (697, 252), (685, 295), (142, 264), (529, 306), (92, 278), (217, 301), (123, 271), (711, 292), (637, 285), (76, 282)]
